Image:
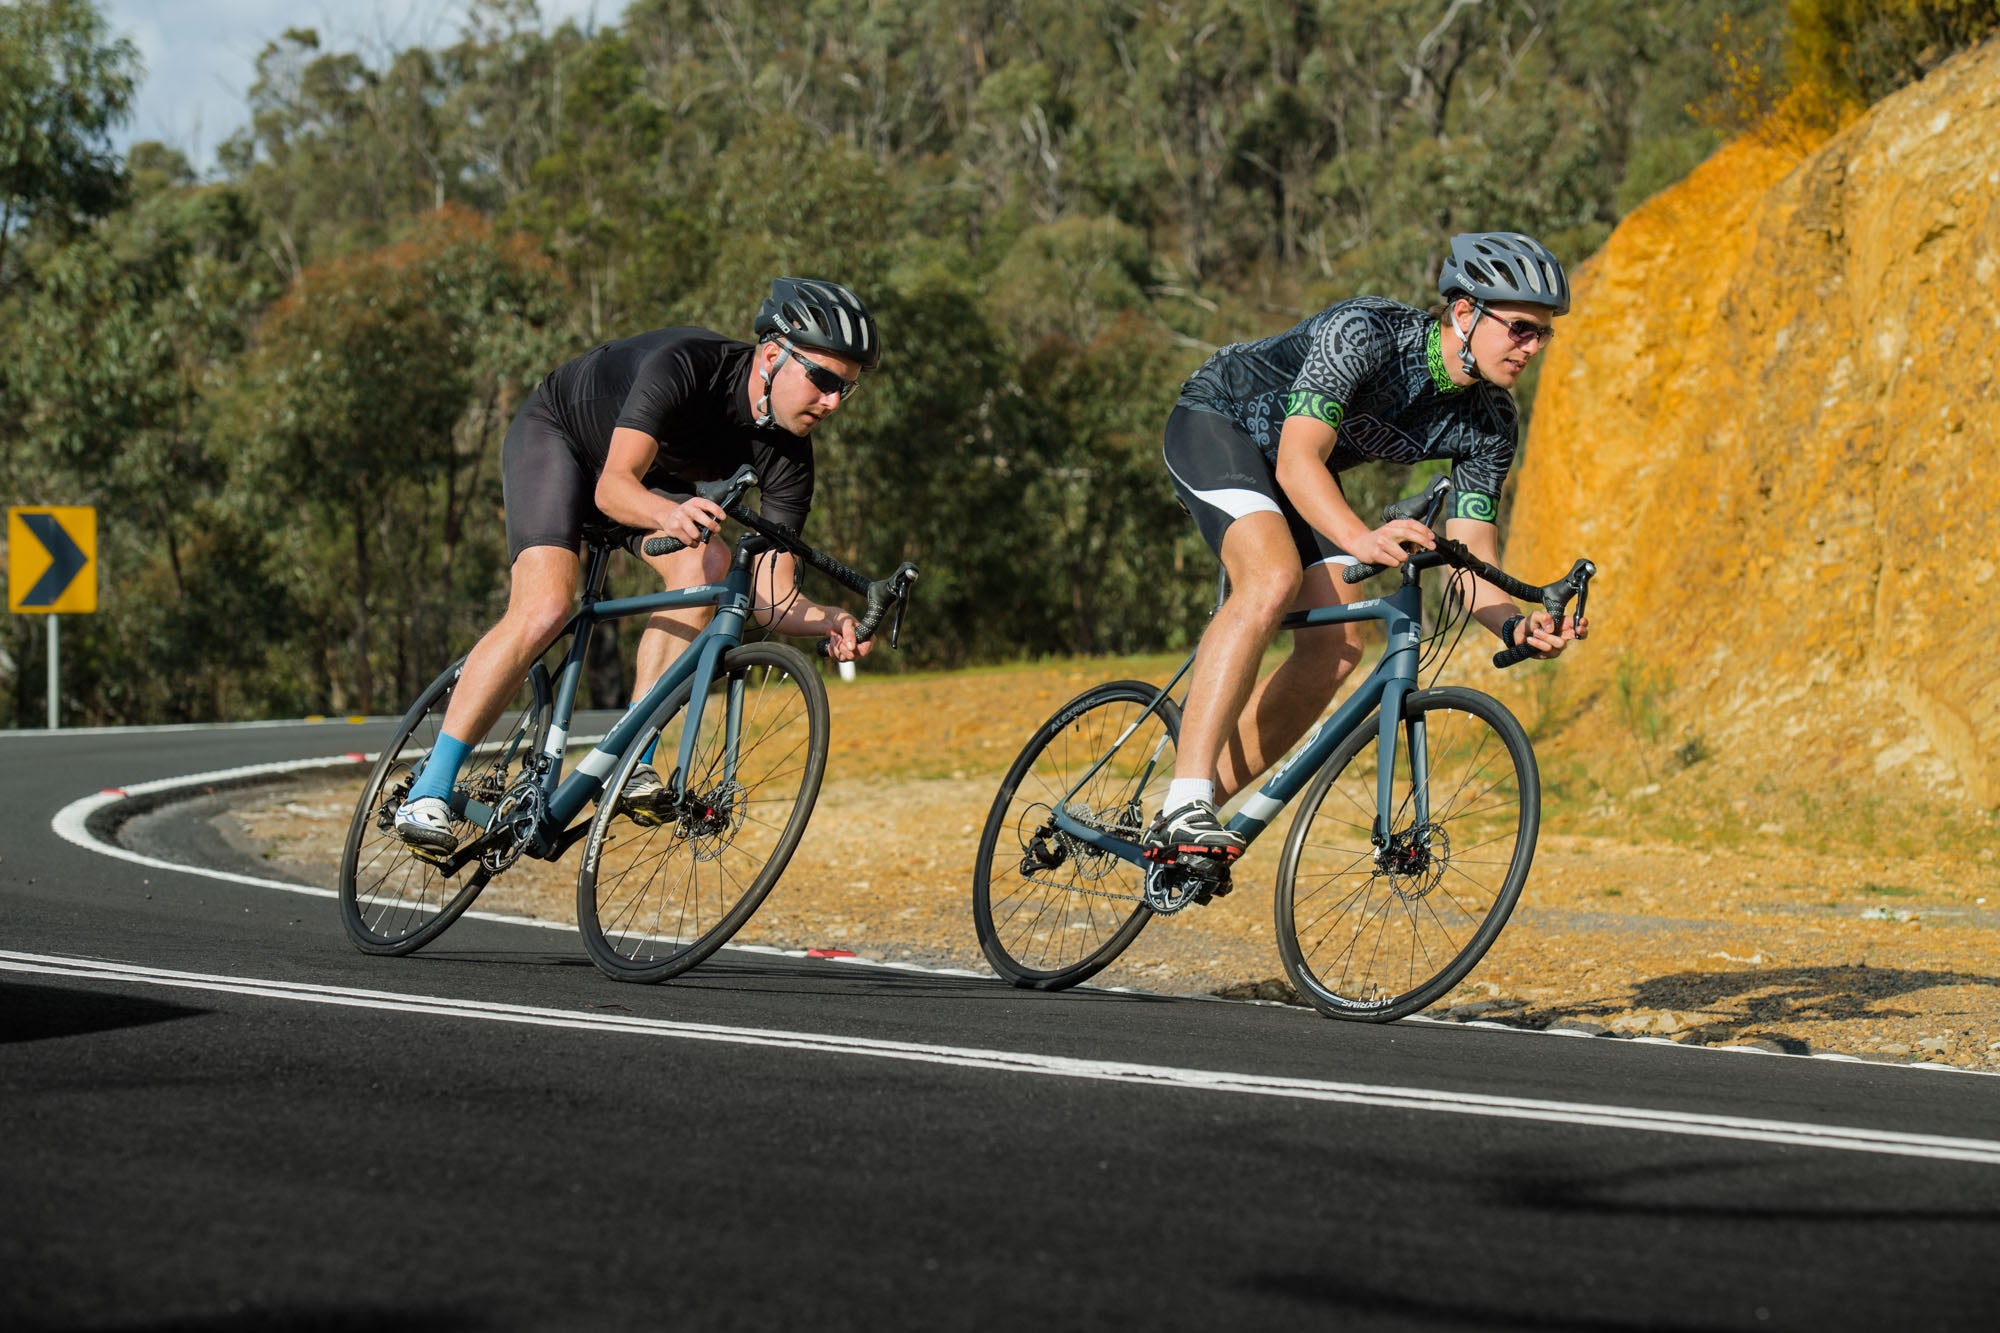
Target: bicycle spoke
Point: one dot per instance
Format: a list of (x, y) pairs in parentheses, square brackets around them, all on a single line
[(1051, 908), (654, 900), (1434, 891)]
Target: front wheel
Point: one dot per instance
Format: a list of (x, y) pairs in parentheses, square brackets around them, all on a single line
[(1377, 929), (665, 884), (395, 898), (1050, 908)]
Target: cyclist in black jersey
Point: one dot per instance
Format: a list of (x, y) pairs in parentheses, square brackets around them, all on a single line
[(1255, 446), (614, 442)]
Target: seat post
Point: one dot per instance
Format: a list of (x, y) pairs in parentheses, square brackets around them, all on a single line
[(596, 564)]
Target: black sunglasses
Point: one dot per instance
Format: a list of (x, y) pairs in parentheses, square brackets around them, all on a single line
[(822, 378), (1524, 331)]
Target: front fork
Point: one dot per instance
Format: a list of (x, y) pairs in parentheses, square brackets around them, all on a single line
[(1413, 741), (734, 688)]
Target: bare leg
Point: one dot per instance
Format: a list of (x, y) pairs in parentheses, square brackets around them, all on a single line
[(543, 586), (1264, 575), (1291, 698), (668, 633)]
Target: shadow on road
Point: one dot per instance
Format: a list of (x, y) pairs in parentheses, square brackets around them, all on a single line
[(37, 1013), (1764, 1002)]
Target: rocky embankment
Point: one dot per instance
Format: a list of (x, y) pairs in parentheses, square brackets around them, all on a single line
[(1772, 421)]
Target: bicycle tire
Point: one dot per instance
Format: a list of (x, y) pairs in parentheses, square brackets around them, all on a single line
[(1375, 936), (393, 900), (647, 909), (1051, 910)]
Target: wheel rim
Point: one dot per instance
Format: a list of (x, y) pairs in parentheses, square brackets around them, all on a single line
[(668, 881), (1379, 927), (1054, 905), (397, 893)]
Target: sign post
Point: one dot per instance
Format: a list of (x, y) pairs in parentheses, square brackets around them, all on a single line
[(52, 568)]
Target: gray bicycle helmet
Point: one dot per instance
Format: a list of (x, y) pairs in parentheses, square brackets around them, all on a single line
[(1504, 266), (824, 316)]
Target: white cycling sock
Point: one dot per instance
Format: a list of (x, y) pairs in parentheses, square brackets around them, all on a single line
[(1182, 790)]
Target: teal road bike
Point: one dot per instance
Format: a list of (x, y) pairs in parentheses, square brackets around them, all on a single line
[(1417, 815), (741, 732)]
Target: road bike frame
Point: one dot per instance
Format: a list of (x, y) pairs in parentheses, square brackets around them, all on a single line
[(1394, 676), (565, 798)]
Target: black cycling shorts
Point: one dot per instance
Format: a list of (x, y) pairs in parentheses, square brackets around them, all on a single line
[(550, 494), (1221, 475)]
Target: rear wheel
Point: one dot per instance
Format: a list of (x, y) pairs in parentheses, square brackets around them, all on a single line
[(1378, 932), (395, 898), (664, 886), (1051, 909)]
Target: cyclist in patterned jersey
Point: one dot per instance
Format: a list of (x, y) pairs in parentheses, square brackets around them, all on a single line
[(613, 443), (1255, 445)]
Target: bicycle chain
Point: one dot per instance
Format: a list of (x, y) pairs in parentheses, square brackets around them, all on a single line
[(1089, 893)]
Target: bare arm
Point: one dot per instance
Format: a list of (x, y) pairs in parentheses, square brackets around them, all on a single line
[(624, 497), (779, 606), (1303, 448), (1492, 607)]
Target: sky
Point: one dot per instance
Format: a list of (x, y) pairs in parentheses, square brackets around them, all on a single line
[(200, 55)]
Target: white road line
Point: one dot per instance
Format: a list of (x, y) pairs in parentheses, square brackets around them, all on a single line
[(72, 821), (1934, 1147), (72, 824)]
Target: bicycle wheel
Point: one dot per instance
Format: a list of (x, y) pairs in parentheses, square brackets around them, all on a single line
[(1378, 933), (395, 898), (663, 888), (1050, 909)]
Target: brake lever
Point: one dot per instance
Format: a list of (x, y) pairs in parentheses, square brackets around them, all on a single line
[(904, 577), (1574, 585)]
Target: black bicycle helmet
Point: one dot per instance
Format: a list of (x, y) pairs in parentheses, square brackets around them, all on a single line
[(824, 316), (1504, 266)]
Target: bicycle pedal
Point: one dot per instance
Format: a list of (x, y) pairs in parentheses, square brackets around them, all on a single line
[(1170, 888)]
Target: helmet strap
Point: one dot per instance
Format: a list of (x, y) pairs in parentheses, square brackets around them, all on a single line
[(765, 416), (1465, 361)]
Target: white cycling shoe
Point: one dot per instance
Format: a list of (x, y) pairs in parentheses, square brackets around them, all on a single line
[(426, 822), (642, 789)]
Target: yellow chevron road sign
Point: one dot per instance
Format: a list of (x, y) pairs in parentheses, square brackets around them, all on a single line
[(51, 559)]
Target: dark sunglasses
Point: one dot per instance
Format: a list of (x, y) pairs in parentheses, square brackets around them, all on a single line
[(822, 378), (1524, 331)]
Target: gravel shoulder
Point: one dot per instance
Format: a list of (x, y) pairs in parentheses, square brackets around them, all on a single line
[(1767, 943)]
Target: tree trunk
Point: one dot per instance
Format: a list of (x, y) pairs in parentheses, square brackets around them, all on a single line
[(363, 686)]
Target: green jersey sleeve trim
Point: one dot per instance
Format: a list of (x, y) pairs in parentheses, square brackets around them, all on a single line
[(1303, 403), (1475, 504)]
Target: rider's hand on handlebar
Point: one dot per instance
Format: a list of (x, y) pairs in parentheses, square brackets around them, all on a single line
[(1541, 633), (694, 520), (841, 644), (1384, 546)]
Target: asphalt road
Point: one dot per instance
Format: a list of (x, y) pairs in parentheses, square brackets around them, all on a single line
[(214, 1113)]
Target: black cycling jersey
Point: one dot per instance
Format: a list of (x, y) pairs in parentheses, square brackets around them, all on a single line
[(1374, 369), (688, 389)]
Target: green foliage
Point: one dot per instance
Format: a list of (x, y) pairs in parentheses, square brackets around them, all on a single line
[(1640, 690), (1866, 49), (286, 389), (63, 85), (377, 401)]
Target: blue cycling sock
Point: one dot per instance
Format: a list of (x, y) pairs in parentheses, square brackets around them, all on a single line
[(651, 746), (441, 769)]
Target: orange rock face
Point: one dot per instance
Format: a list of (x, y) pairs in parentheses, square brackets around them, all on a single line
[(1772, 420)]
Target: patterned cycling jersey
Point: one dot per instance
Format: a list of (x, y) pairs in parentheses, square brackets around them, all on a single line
[(1375, 371)]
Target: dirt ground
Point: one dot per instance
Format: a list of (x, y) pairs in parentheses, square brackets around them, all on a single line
[(1800, 943)]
